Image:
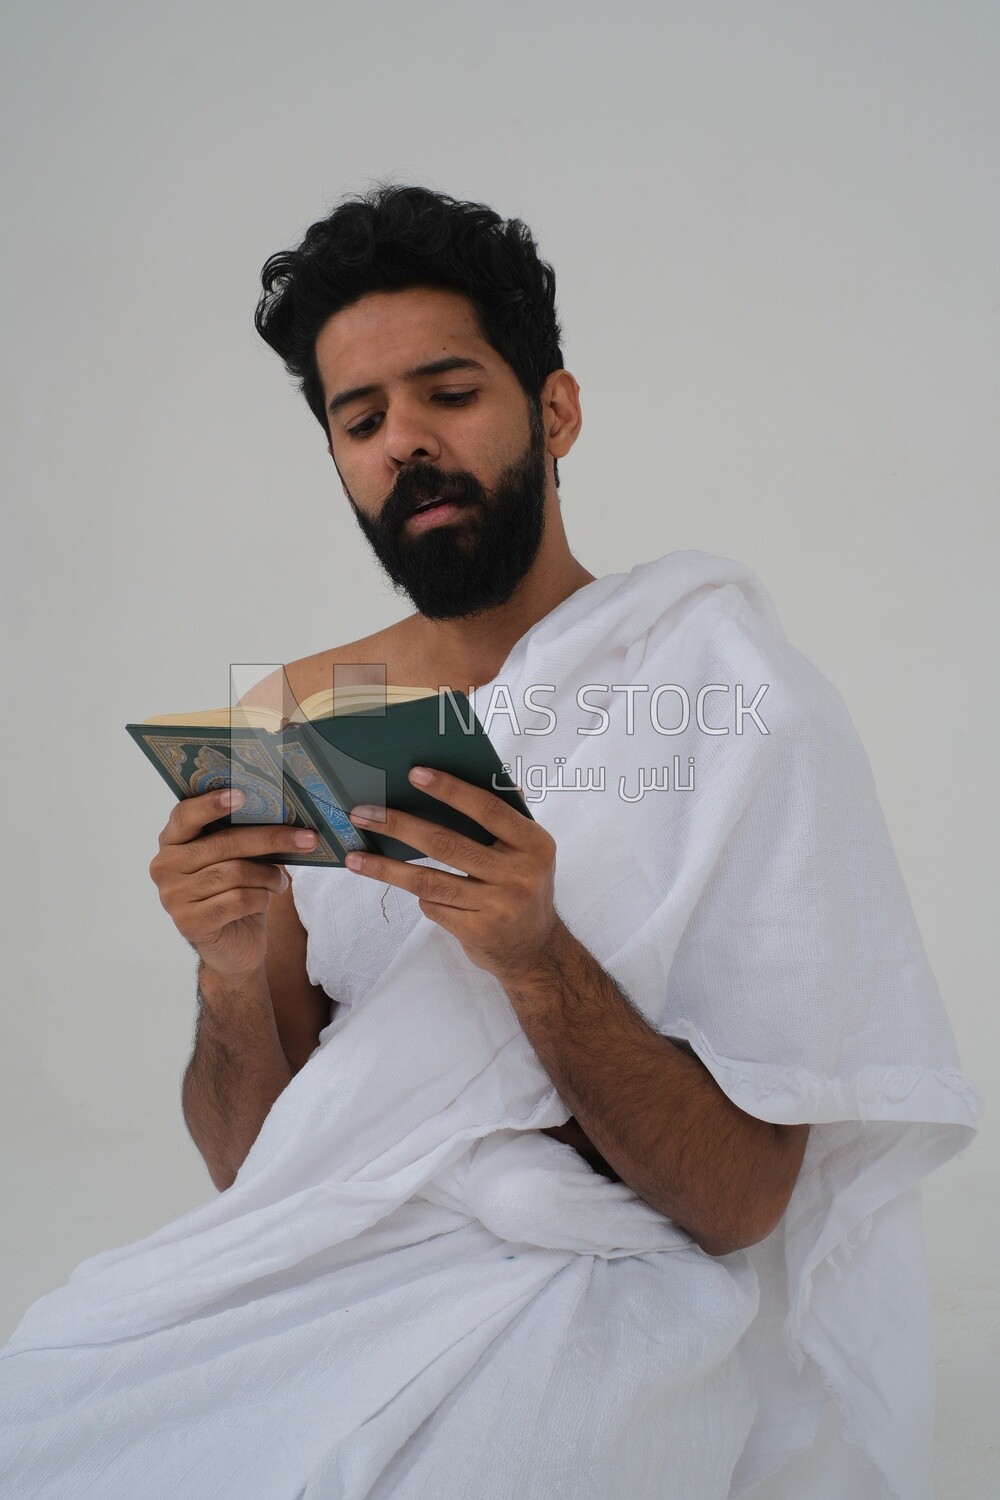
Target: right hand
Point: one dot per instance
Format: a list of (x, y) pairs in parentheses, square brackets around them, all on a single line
[(216, 895)]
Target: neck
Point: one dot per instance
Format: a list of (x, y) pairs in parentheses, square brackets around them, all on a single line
[(470, 651)]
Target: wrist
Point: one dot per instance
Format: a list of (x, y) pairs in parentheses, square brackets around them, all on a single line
[(215, 985), (550, 959)]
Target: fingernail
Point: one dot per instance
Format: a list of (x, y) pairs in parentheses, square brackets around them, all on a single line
[(305, 838), (421, 775), (365, 814)]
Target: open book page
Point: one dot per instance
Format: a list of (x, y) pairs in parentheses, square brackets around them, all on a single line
[(347, 698)]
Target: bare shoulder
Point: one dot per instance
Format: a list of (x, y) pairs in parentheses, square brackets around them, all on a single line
[(290, 685)]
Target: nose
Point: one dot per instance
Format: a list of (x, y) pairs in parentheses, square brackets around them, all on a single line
[(408, 436)]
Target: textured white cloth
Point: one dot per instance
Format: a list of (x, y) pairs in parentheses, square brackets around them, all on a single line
[(405, 1264)]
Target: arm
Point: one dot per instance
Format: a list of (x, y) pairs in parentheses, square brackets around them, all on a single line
[(652, 1109), (236, 1072), (259, 1018), (252, 1038), (654, 1113)]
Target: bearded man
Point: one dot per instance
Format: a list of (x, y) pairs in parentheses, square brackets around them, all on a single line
[(605, 1138)]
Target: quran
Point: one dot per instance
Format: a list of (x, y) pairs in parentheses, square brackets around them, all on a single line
[(337, 749)]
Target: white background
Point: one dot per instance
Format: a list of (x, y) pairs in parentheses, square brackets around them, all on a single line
[(775, 233)]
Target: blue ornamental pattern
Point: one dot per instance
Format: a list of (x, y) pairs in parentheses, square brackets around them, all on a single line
[(305, 773)]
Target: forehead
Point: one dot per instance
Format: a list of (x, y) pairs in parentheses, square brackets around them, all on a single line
[(386, 332)]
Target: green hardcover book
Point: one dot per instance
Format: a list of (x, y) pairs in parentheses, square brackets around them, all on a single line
[(310, 768)]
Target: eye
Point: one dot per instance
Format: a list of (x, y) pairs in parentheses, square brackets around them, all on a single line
[(456, 398), (450, 398)]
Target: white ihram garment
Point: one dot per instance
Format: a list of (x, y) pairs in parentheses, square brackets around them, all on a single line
[(409, 1291)]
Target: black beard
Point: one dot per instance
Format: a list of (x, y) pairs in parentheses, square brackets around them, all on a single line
[(476, 561)]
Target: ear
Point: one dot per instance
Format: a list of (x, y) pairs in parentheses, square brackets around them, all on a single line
[(561, 412)]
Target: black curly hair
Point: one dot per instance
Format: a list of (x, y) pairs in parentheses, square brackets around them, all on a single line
[(398, 236)]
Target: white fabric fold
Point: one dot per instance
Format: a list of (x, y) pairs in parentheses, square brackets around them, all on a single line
[(760, 916)]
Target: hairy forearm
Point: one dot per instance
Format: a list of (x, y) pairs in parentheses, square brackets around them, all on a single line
[(236, 1072), (652, 1110)]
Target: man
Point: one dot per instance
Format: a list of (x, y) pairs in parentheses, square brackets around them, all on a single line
[(481, 571), (371, 1098)]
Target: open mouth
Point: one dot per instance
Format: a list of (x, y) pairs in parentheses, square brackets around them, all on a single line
[(435, 509), (432, 503)]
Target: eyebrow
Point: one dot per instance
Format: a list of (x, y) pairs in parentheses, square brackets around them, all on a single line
[(434, 367)]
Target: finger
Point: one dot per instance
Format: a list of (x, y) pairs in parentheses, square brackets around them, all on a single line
[(444, 916), (234, 874), (189, 816), (274, 840), (181, 890), (427, 885), (277, 841), (203, 919), (442, 844), (484, 808)]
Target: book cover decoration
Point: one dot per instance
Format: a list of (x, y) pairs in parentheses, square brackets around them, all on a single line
[(308, 769)]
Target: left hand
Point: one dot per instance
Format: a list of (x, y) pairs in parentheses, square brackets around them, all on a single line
[(501, 909)]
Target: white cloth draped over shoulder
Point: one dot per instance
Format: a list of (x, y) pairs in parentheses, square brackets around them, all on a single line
[(405, 1264)]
